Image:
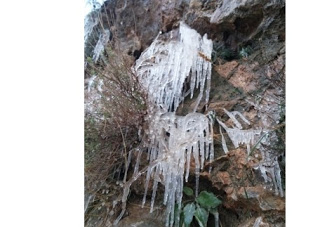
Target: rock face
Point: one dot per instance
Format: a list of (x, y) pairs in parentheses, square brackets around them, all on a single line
[(248, 76), (243, 188)]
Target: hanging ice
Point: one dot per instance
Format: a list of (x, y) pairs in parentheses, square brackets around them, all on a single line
[(271, 166), (163, 70), (223, 141), (103, 39), (174, 139), (165, 66), (169, 70), (237, 134), (247, 137), (90, 22)]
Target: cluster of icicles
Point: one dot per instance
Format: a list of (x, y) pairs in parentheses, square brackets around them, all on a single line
[(163, 70), (91, 21)]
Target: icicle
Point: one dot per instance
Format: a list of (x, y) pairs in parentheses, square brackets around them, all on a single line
[(164, 67), (211, 154), (223, 141), (173, 198), (197, 173), (154, 188), (126, 189), (127, 166), (273, 177), (239, 136), (87, 201), (201, 152), (103, 39), (211, 117), (90, 83), (149, 172), (241, 116), (90, 21), (149, 152), (232, 117), (188, 163), (275, 173), (257, 222), (278, 178), (167, 188), (136, 167), (208, 45), (248, 149), (216, 219)]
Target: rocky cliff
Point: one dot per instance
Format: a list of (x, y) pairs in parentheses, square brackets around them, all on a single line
[(248, 76)]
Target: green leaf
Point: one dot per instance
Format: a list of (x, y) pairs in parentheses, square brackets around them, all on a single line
[(208, 200), (188, 191), (201, 216), (188, 212)]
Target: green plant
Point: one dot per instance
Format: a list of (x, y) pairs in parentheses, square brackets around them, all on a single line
[(199, 207), (245, 52)]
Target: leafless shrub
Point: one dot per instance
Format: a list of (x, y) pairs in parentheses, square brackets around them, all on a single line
[(114, 110)]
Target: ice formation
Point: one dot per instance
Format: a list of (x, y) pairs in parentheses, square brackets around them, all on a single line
[(165, 66), (257, 222), (90, 22), (87, 199), (163, 70), (175, 140), (270, 165), (269, 111), (274, 171), (103, 39), (93, 96), (237, 134), (169, 70), (223, 141)]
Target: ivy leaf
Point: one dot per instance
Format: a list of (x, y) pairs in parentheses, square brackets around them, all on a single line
[(208, 200), (201, 216), (188, 212), (188, 191)]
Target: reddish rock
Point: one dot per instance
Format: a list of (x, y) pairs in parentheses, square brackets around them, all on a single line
[(226, 69), (244, 78)]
